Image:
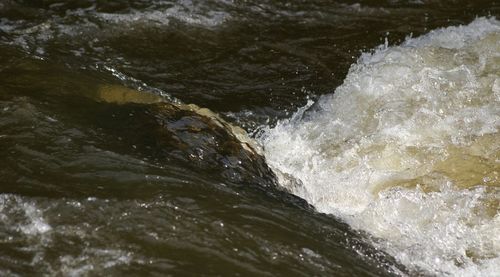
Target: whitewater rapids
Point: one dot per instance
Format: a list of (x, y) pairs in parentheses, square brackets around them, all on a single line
[(407, 150)]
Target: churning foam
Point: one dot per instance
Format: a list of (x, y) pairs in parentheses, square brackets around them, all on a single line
[(407, 149)]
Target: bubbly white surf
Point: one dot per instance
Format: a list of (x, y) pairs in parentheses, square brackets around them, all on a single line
[(407, 150)]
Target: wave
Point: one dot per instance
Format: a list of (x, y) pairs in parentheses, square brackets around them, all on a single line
[(89, 24), (407, 149)]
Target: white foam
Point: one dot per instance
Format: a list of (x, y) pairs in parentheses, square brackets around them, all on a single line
[(92, 260), (33, 222), (408, 150), (164, 17), (80, 23)]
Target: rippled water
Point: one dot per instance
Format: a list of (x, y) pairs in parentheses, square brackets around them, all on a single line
[(389, 167)]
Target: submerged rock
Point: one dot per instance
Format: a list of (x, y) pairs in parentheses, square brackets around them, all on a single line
[(156, 128), (202, 136)]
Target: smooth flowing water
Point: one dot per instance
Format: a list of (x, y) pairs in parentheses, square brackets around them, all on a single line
[(374, 146)]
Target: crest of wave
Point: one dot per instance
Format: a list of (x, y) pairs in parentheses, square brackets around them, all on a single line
[(407, 150), (189, 12)]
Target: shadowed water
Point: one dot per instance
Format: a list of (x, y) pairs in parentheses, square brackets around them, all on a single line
[(104, 170)]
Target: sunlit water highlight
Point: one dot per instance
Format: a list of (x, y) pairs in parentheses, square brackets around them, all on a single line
[(407, 149), (96, 178)]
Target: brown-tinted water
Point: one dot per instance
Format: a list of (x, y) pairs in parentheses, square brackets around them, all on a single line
[(96, 179)]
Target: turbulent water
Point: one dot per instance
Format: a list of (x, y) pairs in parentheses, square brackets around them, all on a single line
[(389, 167), (408, 150)]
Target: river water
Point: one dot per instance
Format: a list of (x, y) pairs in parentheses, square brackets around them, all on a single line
[(371, 144)]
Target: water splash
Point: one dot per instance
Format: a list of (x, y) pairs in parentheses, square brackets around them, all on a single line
[(407, 150)]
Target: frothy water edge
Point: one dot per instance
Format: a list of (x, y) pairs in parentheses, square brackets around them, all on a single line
[(407, 150)]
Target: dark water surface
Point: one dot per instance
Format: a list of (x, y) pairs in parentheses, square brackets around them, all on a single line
[(95, 187)]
